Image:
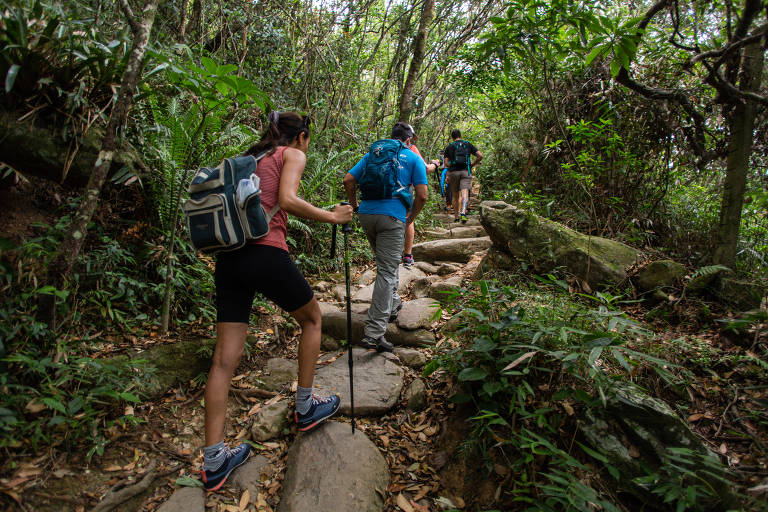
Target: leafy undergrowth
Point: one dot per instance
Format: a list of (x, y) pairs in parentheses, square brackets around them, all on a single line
[(534, 359)]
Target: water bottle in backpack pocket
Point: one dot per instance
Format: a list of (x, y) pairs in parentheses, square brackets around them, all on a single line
[(224, 210)]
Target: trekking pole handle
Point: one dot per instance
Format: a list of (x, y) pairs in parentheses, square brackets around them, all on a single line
[(346, 228)]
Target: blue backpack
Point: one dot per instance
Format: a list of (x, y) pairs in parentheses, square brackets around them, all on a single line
[(215, 219), (379, 179)]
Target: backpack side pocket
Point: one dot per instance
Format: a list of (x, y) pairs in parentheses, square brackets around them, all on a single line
[(210, 224)]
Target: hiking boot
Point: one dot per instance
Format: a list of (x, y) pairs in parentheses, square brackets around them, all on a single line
[(320, 410), (380, 345), (213, 480), (463, 218), (408, 260), (456, 220), (393, 315)]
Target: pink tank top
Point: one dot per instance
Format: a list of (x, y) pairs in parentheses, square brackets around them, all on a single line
[(269, 170)]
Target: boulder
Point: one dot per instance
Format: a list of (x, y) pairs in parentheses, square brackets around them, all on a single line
[(739, 293), (494, 260), (250, 475), (361, 308), (411, 357), (339, 291), (378, 381), (706, 277), (458, 250), (545, 244), (327, 307), (416, 395), (335, 324), (425, 267), (418, 314), (322, 286), (444, 290), (635, 433), (407, 275), (328, 343), (279, 374), (171, 364), (332, 469), (422, 286), (457, 321), (660, 274), (445, 268), (270, 421), (437, 233), (186, 499)]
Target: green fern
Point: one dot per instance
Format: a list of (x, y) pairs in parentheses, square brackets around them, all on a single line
[(710, 270)]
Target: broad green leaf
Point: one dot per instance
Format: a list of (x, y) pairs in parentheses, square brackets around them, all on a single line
[(597, 50), (10, 78), (469, 374)]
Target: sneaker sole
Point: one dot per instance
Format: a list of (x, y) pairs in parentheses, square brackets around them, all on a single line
[(311, 427), (213, 489)]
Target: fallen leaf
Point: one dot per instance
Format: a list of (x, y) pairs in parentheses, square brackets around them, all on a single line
[(34, 407), (13, 495), (384, 441), (568, 409), (519, 360), (403, 503), (128, 410), (239, 377), (245, 499), (254, 409), (723, 449), (113, 467), (260, 501)]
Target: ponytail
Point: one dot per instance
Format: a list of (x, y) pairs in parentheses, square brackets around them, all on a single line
[(282, 129)]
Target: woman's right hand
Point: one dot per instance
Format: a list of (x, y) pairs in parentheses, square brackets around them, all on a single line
[(342, 214)]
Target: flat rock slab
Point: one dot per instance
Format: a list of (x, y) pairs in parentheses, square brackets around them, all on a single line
[(366, 278), (335, 325), (418, 314), (427, 268), (422, 286), (250, 475), (186, 499), (332, 469), (378, 381), (458, 250)]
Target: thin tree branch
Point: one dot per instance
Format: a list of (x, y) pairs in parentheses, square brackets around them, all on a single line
[(135, 25), (730, 47)]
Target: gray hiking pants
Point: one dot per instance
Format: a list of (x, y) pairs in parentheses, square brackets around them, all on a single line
[(386, 235)]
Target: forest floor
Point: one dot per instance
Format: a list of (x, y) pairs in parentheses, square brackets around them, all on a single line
[(726, 406)]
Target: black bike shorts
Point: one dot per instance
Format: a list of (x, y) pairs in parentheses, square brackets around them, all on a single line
[(257, 268)]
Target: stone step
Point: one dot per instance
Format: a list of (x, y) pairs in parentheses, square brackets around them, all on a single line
[(378, 381), (332, 469), (458, 250), (335, 325), (455, 232), (186, 499)]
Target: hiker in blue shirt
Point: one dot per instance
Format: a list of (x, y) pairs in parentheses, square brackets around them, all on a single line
[(384, 219)]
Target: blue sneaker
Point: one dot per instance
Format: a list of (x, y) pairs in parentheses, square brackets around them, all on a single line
[(213, 480), (320, 410)]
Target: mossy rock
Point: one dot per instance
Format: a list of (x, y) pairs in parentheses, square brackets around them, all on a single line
[(740, 294), (545, 244), (636, 433), (707, 277), (660, 274), (170, 364)]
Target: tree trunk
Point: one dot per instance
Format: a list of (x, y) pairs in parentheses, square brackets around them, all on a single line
[(64, 259), (419, 44), (742, 122), (183, 21)]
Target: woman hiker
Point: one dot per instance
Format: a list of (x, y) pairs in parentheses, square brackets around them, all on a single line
[(264, 266)]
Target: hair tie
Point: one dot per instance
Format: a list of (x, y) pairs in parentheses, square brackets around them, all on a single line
[(274, 117)]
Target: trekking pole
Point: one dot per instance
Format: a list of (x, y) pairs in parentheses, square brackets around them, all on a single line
[(333, 242), (346, 229)]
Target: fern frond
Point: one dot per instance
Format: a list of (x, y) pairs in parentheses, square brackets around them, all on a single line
[(709, 270)]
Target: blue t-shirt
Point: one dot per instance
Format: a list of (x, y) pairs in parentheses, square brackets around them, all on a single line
[(412, 172)]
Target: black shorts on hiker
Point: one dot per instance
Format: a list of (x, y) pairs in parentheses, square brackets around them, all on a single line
[(257, 268)]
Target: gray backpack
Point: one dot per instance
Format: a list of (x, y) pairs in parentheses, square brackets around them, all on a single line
[(215, 220)]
